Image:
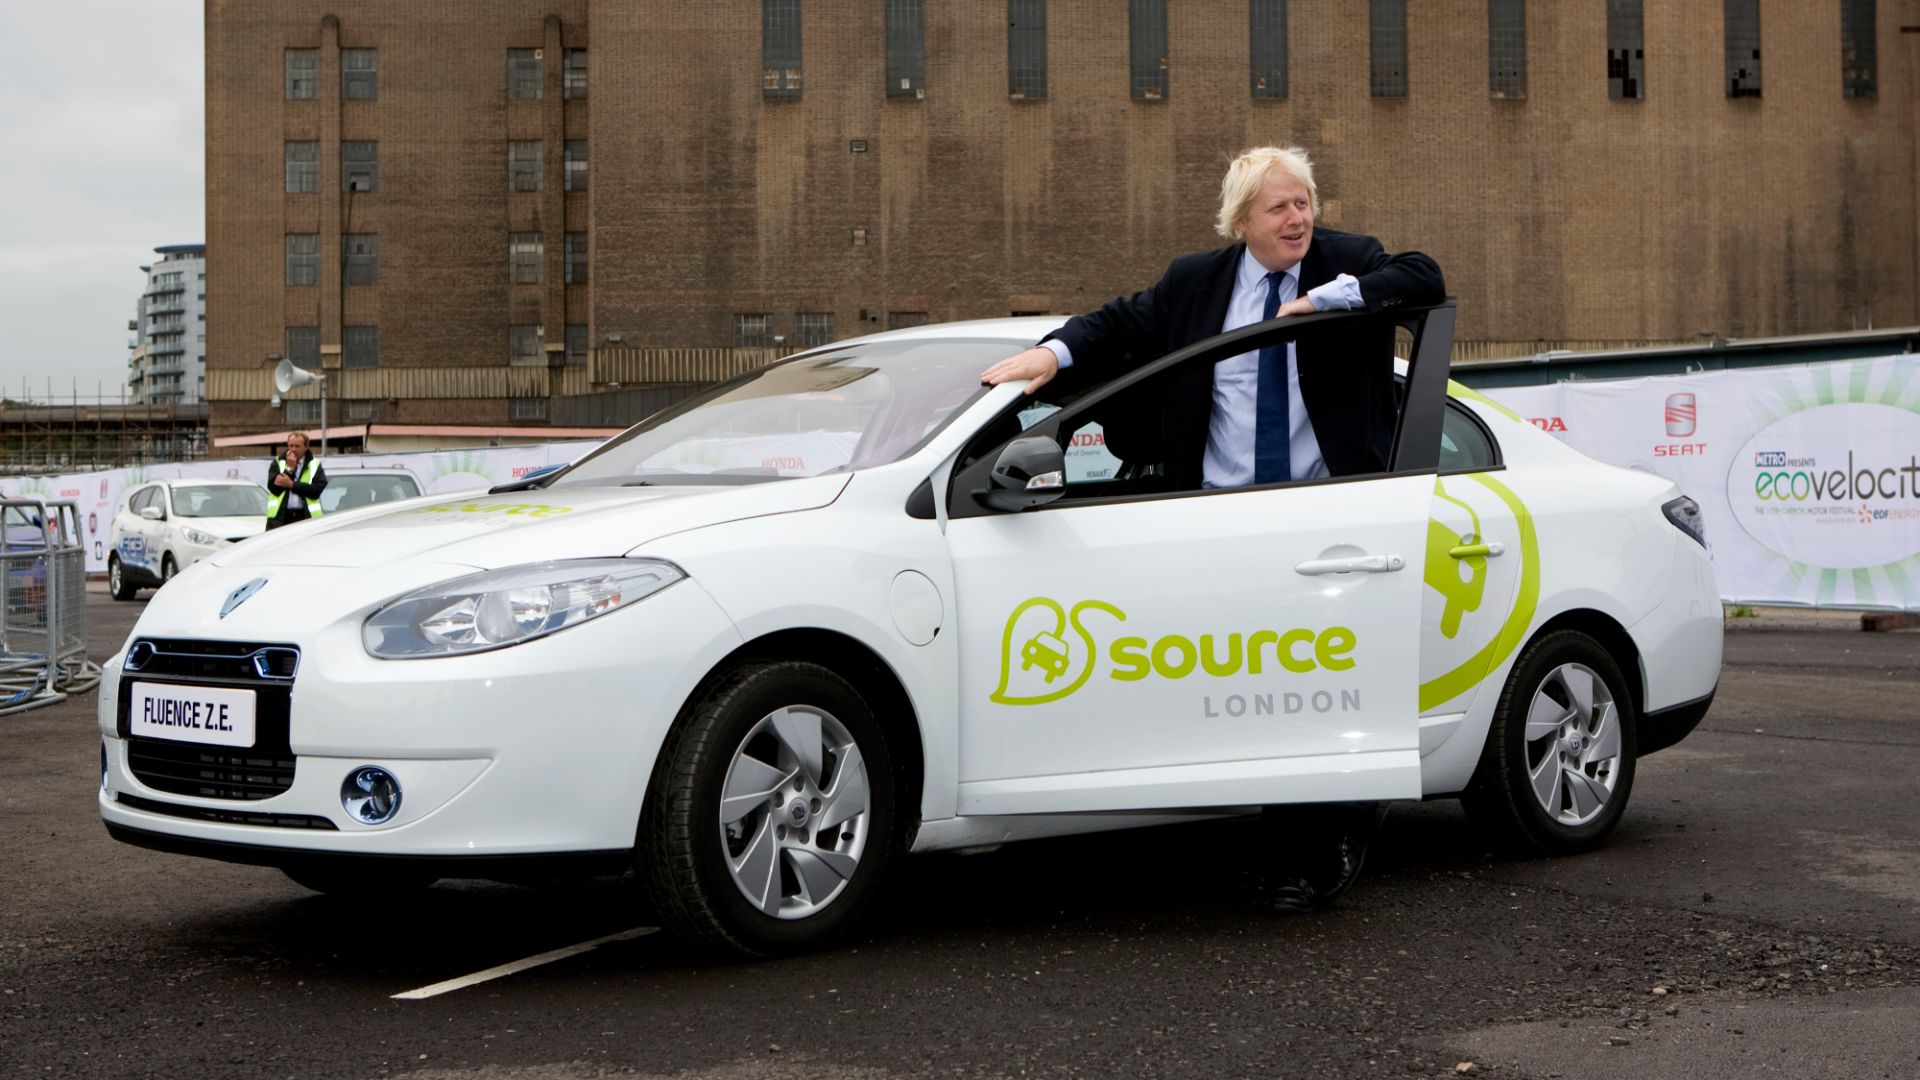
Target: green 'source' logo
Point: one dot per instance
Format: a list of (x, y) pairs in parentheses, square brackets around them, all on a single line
[(1047, 652)]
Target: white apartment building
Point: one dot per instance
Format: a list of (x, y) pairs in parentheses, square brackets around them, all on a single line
[(167, 356)]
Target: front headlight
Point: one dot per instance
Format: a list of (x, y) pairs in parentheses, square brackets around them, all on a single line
[(198, 537), (497, 608)]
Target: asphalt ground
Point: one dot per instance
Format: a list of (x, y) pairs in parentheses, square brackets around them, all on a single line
[(1755, 915)]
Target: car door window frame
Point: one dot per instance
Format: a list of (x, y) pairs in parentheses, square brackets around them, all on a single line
[(1417, 427), (1495, 462)]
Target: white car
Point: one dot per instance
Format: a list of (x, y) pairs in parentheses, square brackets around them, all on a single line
[(846, 608), (350, 488), (168, 525)]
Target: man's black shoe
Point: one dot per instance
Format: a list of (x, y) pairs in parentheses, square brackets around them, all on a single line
[(1321, 850)]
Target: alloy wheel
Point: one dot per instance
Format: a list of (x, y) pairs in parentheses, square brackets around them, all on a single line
[(793, 813), (1573, 744)]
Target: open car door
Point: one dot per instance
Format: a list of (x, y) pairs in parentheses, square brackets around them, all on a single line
[(1127, 646)]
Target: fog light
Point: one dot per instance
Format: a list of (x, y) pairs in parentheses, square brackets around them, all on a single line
[(370, 795)]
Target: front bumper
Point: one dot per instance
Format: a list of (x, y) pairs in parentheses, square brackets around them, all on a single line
[(539, 748)]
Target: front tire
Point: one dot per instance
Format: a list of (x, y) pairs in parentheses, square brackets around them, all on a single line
[(1558, 766), (168, 568), (770, 816), (117, 582)]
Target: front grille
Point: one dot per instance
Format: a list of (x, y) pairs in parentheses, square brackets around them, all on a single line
[(215, 772), (229, 817), (210, 772)]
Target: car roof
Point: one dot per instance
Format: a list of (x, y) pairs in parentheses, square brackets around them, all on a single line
[(202, 482), (355, 470), (1024, 329)]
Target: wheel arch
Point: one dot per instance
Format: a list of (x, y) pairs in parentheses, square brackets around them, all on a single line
[(871, 675), (1612, 637)]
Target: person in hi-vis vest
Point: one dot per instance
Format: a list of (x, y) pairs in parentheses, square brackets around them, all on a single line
[(294, 483)]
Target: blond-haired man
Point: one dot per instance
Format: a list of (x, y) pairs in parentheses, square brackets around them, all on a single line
[(1324, 407)]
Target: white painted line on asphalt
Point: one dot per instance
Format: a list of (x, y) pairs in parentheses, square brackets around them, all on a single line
[(518, 966)]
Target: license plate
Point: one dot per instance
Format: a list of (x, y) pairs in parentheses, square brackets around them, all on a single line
[(197, 714)]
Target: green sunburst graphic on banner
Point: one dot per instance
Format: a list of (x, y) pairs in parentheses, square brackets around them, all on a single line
[(459, 463), (1847, 382)]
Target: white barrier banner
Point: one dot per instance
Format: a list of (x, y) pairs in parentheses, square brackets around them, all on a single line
[(438, 471), (1808, 477)]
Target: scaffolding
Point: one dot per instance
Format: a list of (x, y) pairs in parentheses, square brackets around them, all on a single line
[(83, 436)]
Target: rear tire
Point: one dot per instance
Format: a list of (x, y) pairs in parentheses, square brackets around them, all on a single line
[(117, 582), (770, 816), (1558, 766)]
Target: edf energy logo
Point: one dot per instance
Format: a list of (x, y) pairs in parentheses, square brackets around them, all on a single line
[(1048, 651)]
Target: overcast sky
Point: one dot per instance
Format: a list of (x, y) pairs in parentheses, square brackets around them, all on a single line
[(102, 124)]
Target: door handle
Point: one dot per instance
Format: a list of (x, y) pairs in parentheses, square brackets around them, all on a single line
[(1359, 564), (1468, 551)]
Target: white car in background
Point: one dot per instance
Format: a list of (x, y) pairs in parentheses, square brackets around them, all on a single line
[(855, 605), (350, 488), (165, 526)]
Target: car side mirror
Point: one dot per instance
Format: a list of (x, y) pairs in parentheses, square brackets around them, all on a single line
[(1031, 471), (153, 513)]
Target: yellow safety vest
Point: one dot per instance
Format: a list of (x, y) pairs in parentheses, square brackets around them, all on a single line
[(306, 477)]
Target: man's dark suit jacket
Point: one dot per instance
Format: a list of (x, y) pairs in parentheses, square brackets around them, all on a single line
[(1346, 377), (309, 493)]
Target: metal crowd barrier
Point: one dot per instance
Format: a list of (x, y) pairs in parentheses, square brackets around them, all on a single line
[(43, 605)]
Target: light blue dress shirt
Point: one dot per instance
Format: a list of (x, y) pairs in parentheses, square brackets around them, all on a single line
[(1236, 381)]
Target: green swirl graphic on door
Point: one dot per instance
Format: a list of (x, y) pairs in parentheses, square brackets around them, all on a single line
[(1481, 545), (1037, 647)]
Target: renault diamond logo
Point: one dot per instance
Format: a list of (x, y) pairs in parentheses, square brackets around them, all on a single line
[(239, 596)]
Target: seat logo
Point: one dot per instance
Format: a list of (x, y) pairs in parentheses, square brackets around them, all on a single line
[(241, 595)]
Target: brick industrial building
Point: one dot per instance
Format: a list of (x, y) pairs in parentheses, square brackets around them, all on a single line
[(468, 211)]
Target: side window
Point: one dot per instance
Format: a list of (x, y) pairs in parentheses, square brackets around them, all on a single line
[(1465, 446)]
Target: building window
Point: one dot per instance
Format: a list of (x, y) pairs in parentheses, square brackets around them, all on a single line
[(1743, 48), (1626, 51), (573, 74), (527, 408), (1507, 48), (1027, 50), (360, 412), (1387, 48), (360, 166), (812, 328), (901, 320), (576, 343), (303, 346), (303, 167), (1859, 50), (523, 165), (780, 49), (576, 165), (525, 73), (1147, 45), (1267, 47), (524, 346), (526, 258), (303, 74), (303, 411), (363, 258), (303, 258), (360, 346), (360, 74), (576, 261), (906, 49), (751, 331)]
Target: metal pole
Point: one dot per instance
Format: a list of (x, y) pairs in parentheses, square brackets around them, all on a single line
[(323, 416)]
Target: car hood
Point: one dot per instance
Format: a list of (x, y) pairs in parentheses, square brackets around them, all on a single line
[(226, 528), (489, 531)]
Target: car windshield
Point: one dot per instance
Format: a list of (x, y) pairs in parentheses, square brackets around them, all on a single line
[(229, 500), (346, 491), (851, 408)]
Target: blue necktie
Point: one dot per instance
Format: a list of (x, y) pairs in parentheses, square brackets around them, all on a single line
[(1272, 463)]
